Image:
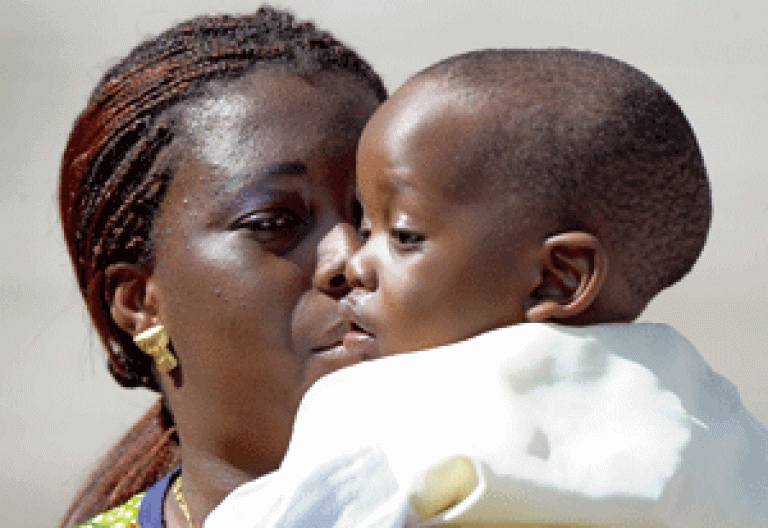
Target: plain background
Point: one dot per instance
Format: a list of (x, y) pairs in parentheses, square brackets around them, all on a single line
[(60, 409)]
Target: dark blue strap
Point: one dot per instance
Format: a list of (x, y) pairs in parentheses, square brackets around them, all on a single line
[(151, 509)]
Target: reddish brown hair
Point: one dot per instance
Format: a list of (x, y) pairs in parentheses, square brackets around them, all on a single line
[(141, 457)]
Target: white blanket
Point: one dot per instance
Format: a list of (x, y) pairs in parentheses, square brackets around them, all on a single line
[(612, 425)]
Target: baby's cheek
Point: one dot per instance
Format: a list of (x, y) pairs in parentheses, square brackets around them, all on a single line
[(419, 319), (409, 297)]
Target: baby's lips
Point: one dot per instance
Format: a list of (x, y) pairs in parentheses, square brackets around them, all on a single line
[(361, 344)]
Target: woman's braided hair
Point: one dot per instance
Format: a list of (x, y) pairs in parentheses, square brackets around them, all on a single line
[(112, 184)]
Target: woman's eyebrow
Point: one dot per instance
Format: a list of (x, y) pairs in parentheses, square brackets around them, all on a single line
[(283, 168), (270, 171), (253, 187)]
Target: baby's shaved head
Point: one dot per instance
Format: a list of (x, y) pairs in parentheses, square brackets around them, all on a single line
[(588, 143)]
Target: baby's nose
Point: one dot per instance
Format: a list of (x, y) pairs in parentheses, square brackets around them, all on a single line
[(359, 270), (333, 252)]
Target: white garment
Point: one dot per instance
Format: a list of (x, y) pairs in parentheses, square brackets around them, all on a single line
[(609, 425)]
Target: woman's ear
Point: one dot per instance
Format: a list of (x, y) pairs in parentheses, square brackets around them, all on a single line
[(575, 267), (130, 293)]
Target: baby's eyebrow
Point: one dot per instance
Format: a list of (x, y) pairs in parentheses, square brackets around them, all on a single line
[(399, 179)]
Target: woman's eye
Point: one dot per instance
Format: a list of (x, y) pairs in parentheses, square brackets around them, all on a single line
[(357, 213), (276, 229), (364, 229), (364, 233), (407, 239), (269, 222)]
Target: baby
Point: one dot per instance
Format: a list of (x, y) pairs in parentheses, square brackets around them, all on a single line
[(500, 187)]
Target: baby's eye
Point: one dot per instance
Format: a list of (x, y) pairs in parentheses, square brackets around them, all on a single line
[(276, 229), (406, 239)]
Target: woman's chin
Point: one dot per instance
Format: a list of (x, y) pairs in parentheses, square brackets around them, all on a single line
[(349, 352)]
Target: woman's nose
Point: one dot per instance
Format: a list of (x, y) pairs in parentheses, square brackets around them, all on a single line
[(333, 252)]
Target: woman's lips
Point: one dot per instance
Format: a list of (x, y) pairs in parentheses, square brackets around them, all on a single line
[(339, 343), (353, 347), (348, 342), (361, 344)]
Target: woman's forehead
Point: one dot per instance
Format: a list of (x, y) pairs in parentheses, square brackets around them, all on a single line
[(275, 112), (271, 95)]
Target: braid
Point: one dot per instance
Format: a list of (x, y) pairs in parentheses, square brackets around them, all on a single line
[(113, 180), (140, 458)]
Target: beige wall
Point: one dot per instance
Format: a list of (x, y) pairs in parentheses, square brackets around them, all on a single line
[(60, 409)]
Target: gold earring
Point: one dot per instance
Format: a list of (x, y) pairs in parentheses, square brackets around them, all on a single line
[(154, 342)]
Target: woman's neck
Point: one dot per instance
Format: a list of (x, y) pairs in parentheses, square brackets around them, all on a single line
[(207, 480)]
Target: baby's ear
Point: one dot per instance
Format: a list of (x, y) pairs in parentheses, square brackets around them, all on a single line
[(574, 269), (130, 293)]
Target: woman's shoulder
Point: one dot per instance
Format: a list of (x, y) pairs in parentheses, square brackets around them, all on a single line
[(124, 516), (143, 510)]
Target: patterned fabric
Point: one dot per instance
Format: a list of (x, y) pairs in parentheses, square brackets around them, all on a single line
[(144, 510), (124, 516)]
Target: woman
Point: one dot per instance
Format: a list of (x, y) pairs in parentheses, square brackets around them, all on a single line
[(195, 188)]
